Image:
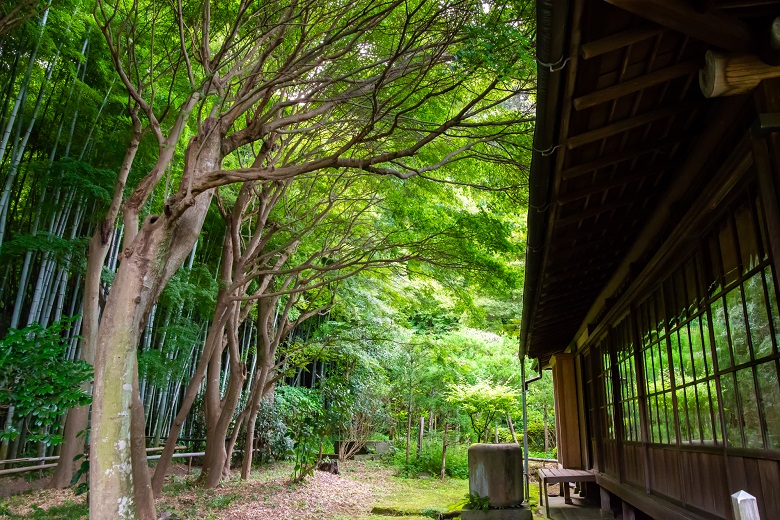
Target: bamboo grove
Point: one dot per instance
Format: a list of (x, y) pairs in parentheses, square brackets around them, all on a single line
[(191, 189)]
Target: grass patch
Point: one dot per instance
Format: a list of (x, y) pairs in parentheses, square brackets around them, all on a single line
[(67, 511), (416, 499)]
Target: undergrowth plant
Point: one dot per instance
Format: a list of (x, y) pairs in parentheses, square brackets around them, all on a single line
[(428, 461)]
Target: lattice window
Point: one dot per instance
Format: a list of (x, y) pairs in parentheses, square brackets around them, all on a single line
[(608, 408), (629, 397), (657, 374), (745, 326)]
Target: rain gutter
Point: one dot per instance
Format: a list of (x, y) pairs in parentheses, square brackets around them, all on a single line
[(551, 32)]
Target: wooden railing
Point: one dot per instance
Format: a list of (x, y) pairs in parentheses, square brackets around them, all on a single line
[(43, 466)]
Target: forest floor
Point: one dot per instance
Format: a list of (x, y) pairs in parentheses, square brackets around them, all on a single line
[(365, 490)]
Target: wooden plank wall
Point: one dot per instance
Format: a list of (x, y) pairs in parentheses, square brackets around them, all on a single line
[(566, 411), (634, 464), (698, 480)]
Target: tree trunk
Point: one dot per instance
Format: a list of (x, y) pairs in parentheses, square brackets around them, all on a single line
[(78, 417), (511, 428), (408, 434), (142, 484), (150, 260), (9, 421), (219, 414), (444, 450), (266, 360)]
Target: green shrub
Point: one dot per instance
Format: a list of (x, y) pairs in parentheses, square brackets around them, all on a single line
[(432, 512), (429, 460), (273, 441), (38, 381), (477, 503)]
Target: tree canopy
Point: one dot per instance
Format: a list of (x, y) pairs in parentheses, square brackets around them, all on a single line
[(243, 193)]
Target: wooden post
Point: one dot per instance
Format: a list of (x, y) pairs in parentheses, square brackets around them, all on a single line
[(566, 413), (744, 506), (420, 435), (606, 502), (629, 513)]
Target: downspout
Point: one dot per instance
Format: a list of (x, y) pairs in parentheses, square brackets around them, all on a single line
[(526, 382)]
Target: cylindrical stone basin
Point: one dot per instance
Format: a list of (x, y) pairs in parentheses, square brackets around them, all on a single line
[(496, 471)]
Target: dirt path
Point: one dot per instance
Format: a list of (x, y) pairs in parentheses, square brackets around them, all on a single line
[(269, 494)]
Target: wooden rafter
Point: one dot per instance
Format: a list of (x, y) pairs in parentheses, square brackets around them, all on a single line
[(627, 124), (558, 317), (581, 169), (568, 251), (619, 40), (617, 181), (636, 84), (599, 233), (712, 27), (567, 275), (594, 212)]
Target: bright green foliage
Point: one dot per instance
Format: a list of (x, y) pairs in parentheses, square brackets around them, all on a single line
[(482, 402), (37, 380)]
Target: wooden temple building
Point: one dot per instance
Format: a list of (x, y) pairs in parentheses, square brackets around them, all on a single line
[(653, 255)]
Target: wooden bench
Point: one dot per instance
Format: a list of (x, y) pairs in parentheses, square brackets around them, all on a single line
[(563, 477)]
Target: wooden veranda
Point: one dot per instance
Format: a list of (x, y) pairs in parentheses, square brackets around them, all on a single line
[(654, 248)]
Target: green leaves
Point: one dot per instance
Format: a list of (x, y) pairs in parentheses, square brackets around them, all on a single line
[(476, 502), (483, 397), (37, 380), (483, 402)]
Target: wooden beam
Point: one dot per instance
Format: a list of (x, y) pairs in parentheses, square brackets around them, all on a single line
[(623, 226), (554, 322), (617, 181), (559, 277), (565, 247), (562, 314), (571, 298), (627, 124), (594, 212), (565, 280), (618, 41), (733, 74), (562, 279), (608, 242), (636, 84), (713, 27), (630, 153)]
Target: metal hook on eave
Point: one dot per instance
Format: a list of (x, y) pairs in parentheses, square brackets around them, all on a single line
[(555, 66), (547, 152)]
